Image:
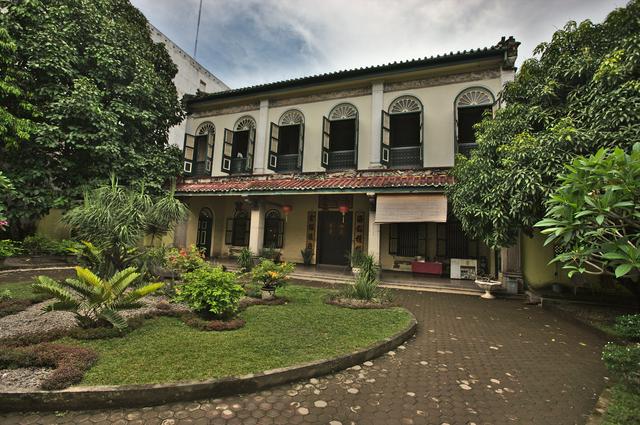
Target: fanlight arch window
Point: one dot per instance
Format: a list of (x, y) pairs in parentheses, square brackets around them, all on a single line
[(340, 138), (402, 133), (245, 123), (198, 150), (470, 106), (286, 142), (291, 117), (238, 147), (273, 229)]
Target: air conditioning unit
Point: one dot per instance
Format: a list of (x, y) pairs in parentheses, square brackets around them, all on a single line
[(464, 269)]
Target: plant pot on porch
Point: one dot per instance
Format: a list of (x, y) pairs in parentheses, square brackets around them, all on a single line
[(355, 270)]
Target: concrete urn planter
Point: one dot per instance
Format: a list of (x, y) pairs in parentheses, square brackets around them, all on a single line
[(268, 294)]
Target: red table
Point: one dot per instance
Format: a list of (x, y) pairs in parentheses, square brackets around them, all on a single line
[(426, 267)]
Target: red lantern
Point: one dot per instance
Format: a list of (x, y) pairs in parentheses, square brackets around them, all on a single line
[(286, 209), (343, 210)]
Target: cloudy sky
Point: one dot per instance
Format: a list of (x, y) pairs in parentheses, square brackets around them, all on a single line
[(246, 42)]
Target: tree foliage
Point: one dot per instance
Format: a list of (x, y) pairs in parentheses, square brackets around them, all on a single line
[(595, 214), (580, 93), (96, 96), (116, 219)]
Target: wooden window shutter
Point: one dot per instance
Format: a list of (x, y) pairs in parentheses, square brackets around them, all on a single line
[(385, 143), (422, 136), (355, 143), (326, 142), (250, 151), (227, 150), (188, 153), (393, 239), (210, 144), (228, 232), (300, 146), (274, 140)]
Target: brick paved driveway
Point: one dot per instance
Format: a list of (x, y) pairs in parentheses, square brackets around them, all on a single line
[(472, 362)]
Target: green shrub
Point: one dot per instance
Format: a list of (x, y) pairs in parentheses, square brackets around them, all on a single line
[(356, 257), (270, 276), (211, 290), (184, 260), (628, 326), (211, 325), (9, 248), (366, 283), (307, 256), (624, 408), (623, 361), (245, 260), (41, 245), (93, 300), (271, 254), (5, 295)]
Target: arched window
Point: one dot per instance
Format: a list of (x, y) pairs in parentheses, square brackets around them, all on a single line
[(286, 142), (402, 133), (273, 229), (237, 231), (340, 138), (198, 150), (205, 227), (237, 154), (470, 106)]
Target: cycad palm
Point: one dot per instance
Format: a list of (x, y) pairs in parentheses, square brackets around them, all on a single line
[(93, 299)]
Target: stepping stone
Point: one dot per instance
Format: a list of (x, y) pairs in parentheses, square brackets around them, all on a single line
[(353, 391), (303, 411), (320, 403), (368, 364), (411, 394), (465, 387)]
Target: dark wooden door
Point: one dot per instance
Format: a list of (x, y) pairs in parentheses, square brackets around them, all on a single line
[(205, 227), (334, 237)]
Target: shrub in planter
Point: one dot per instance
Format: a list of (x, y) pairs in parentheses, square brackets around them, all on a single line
[(184, 260), (628, 326), (624, 362), (69, 363), (270, 276), (245, 260), (210, 291), (96, 301)]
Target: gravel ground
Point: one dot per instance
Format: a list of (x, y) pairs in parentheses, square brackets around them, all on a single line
[(24, 378), (34, 320)]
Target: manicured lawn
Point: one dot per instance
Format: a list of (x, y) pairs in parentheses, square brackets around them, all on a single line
[(624, 408), (19, 290), (166, 350)]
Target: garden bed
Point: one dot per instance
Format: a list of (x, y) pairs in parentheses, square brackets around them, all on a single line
[(165, 349)]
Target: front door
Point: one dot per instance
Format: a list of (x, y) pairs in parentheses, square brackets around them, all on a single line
[(334, 237), (205, 226)]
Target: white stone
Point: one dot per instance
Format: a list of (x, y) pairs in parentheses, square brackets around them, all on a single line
[(411, 394), (303, 411), (391, 353), (335, 423), (494, 348), (356, 367), (402, 347), (314, 381), (292, 393), (320, 403), (368, 364), (227, 414), (424, 363), (465, 387), (316, 392), (495, 381), (353, 391)]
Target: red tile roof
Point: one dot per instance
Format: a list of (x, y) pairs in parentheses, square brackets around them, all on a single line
[(361, 181)]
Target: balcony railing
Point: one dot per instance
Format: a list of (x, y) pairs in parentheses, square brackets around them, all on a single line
[(238, 166), (200, 169), (405, 157), (287, 163), (466, 148), (342, 160)]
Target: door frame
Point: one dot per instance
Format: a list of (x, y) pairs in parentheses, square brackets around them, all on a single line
[(318, 240), (208, 214)]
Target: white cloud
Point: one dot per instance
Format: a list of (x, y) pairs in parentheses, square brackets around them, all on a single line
[(252, 41)]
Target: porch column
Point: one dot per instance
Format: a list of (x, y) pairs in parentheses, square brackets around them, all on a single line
[(377, 93), (256, 231), (262, 131), (373, 239)]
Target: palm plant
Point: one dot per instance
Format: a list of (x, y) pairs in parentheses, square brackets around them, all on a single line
[(96, 301), (366, 284)]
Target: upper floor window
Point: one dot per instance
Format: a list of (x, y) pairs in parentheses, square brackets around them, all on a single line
[(198, 150), (340, 138), (237, 153), (273, 229), (402, 133), (286, 142), (470, 107)]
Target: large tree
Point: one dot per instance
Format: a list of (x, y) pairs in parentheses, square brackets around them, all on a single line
[(580, 93), (102, 101)]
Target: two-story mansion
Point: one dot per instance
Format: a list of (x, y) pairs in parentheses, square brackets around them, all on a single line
[(350, 160)]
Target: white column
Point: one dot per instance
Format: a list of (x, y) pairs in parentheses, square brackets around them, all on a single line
[(377, 92), (256, 231), (373, 240), (262, 131)]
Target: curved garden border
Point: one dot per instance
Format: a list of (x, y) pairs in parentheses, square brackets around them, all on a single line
[(106, 396)]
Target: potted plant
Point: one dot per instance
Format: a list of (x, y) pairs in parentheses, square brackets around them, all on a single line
[(307, 256), (270, 276), (356, 257)]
